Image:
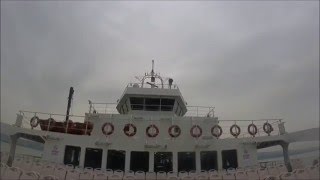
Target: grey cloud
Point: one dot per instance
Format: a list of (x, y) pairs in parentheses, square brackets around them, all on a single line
[(249, 59)]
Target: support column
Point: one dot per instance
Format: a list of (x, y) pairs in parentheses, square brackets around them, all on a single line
[(151, 161), (13, 146), (175, 161), (219, 159), (198, 161), (285, 148), (127, 162), (104, 158), (82, 156)]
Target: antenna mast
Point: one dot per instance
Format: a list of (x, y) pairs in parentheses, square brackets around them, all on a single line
[(152, 71), (71, 91)]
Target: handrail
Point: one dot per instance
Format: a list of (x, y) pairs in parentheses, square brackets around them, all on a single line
[(251, 120), (79, 127), (159, 86), (54, 114), (224, 124)]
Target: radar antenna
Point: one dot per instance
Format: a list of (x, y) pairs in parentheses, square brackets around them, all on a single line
[(152, 75)]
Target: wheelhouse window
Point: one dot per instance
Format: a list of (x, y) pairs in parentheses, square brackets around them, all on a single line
[(178, 109), (229, 159), (208, 160), (139, 161), (136, 103), (93, 158), (116, 160), (162, 161), (121, 110), (167, 104), (72, 155), (186, 161), (152, 104)]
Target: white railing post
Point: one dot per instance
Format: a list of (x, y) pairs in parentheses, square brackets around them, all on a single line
[(67, 124), (90, 106), (49, 122), (85, 132)]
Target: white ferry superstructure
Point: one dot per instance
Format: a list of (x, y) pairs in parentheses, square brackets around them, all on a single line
[(153, 130)]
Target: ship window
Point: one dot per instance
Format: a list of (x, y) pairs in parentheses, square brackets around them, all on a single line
[(208, 160), (167, 104), (180, 113), (116, 160), (93, 158), (163, 161), (125, 109), (186, 161), (139, 161), (152, 104), (72, 155), (136, 103), (229, 159), (177, 109), (126, 104)]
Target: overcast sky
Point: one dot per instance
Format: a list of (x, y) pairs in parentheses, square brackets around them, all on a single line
[(251, 60)]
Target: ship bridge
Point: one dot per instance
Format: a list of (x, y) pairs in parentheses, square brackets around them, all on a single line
[(152, 95)]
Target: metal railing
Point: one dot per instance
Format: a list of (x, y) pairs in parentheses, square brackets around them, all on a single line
[(146, 85), (110, 108), (200, 111), (103, 108), (224, 124), (243, 125), (57, 125)]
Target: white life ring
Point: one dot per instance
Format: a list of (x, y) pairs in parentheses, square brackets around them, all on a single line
[(107, 128), (174, 131), (214, 130), (34, 121), (267, 128), (252, 129), (235, 130), (127, 130), (196, 134), (152, 131)]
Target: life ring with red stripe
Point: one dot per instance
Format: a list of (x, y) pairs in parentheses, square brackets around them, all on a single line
[(196, 131), (34, 121), (267, 128), (130, 130), (152, 131), (174, 131), (252, 129), (235, 130), (107, 128), (214, 130)]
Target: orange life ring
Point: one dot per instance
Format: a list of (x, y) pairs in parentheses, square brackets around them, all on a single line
[(237, 131), (267, 128), (107, 128), (34, 121), (174, 131), (151, 134), (213, 131), (253, 131), (127, 129), (193, 134)]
